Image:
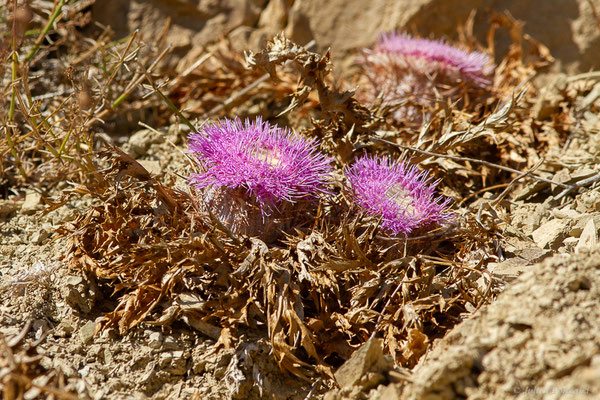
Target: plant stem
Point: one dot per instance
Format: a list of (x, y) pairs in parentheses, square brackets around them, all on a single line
[(11, 111), (38, 42), (167, 101)]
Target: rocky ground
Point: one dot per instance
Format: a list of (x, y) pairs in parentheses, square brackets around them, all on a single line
[(537, 336), (57, 309), (538, 339)]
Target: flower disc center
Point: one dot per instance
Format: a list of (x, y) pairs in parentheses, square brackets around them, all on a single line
[(268, 156), (401, 197)]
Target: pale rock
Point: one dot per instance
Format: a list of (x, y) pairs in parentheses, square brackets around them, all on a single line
[(391, 392), (170, 343), (188, 61), (9, 206), (39, 236), (31, 203), (582, 173), (155, 340), (571, 178), (173, 362), (140, 142), (588, 201), (547, 103), (79, 292), (299, 28), (152, 166), (589, 99), (149, 373), (569, 244), (550, 234), (114, 385), (589, 237), (85, 371), (273, 18), (108, 357), (86, 332), (64, 329), (532, 254), (178, 132), (527, 218), (245, 38), (81, 388), (581, 222), (369, 358), (510, 269), (562, 176), (531, 189), (566, 213), (371, 380), (333, 395)]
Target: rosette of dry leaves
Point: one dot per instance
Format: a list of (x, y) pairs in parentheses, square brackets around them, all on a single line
[(318, 294), (332, 282)]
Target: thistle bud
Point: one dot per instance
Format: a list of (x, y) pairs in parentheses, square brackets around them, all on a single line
[(85, 98), (23, 15)]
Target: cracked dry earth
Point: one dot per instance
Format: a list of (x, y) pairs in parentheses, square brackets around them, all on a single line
[(538, 339)]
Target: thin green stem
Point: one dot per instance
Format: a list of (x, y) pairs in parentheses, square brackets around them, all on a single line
[(15, 66), (137, 79), (38, 42), (168, 101), (11, 111), (175, 109)]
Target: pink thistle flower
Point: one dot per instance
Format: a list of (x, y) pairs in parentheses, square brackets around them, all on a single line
[(436, 57), (255, 164), (398, 193), (401, 68)]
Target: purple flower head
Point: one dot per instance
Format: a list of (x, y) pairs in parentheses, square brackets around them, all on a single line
[(266, 162), (401, 195), (408, 74), (437, 57)]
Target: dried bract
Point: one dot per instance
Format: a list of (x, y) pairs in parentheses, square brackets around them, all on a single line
[(343, 117)]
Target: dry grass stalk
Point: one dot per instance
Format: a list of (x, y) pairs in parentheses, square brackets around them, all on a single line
[(22, 375), (336, 280), (49, 132)]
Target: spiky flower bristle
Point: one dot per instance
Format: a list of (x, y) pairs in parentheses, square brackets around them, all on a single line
[(436, 57), (401, 69), (267, 165), (398, 193)]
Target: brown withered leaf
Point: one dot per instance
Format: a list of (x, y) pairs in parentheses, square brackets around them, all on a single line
[(415, 346), (24, 376), (340, 111), (218, 84)]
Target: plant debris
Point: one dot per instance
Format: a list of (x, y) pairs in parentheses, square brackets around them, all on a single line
[(22, 375), (332, 286)]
